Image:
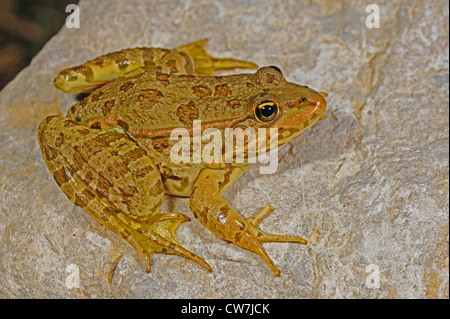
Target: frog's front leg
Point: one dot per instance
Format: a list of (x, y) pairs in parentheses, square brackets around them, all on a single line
[(111, 178), (215, 214)]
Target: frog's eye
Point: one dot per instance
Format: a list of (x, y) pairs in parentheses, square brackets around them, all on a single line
[(266, 111)]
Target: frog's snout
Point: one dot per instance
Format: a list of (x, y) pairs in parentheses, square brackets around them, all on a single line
[(320, 103)]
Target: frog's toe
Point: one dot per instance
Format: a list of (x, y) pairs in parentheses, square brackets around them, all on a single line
[(255, 219), (264, 237)]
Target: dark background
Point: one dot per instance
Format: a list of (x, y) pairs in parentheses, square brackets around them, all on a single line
[(25, 26)]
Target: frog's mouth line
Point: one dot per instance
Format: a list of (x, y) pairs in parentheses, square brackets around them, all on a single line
[(157, 133)]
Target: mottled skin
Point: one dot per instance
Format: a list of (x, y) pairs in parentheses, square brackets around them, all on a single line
[(110, 155)]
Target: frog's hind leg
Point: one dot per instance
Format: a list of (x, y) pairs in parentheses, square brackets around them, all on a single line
[(114, 180), (205, 64), (92, 74)]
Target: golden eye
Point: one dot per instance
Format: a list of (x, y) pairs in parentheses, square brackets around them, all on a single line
[(266, 111)]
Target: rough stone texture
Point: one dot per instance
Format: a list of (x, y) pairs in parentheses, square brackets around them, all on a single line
[(367, 186)]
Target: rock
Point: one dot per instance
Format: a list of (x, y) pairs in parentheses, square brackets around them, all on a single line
[(367, 187)]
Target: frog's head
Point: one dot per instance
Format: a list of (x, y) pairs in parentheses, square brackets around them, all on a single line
[(289, 107)]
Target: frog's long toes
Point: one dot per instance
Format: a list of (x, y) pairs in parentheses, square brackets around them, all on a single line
[(264, 237)]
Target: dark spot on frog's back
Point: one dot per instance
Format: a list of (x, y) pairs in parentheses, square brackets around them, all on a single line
[(96, 96), (187, 113), (270, 78), (234, 103), (222, 90), (77, 162), (126, 86), (163, 78), (148, 98), (106, 108), (201, 90)]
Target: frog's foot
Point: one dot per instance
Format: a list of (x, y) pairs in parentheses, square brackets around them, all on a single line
[(214, 213), (205, 64), (157, 236)]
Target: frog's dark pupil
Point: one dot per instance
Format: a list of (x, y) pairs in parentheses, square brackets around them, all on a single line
[(267, 110)]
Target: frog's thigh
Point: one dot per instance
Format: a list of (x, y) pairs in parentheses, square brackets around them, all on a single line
[(109, 165)]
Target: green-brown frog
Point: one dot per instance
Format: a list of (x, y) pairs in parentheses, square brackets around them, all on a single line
[(111, 153)]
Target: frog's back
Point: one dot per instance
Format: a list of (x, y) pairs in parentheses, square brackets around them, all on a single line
[(157, 101), (151, 105)]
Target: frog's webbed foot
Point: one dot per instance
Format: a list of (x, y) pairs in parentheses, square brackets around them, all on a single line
[(205, 64), (157, 236)]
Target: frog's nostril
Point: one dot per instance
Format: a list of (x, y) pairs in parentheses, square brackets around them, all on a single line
[(303, 100)]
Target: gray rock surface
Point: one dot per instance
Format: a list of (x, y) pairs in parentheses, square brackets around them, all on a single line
[(368, 186)]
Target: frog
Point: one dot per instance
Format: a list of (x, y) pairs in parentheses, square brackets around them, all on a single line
[(110, 154)]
